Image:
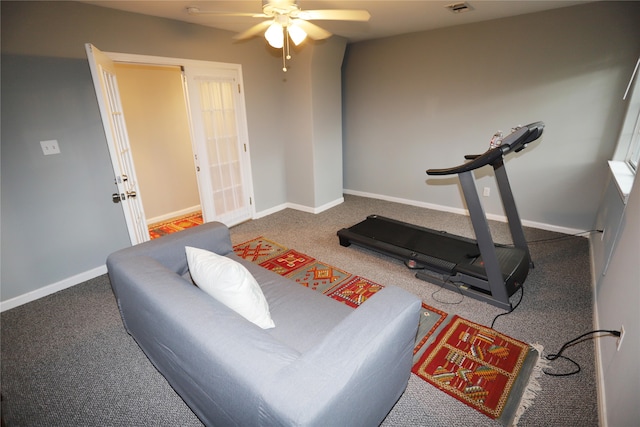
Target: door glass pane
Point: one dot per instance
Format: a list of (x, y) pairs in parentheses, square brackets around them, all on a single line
[(219, 117), (125, 161)]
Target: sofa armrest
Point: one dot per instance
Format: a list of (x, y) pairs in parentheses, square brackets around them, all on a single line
[(213, 357), (364, 364)]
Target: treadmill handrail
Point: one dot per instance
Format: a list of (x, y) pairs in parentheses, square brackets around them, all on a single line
[(515, 141), (487, 158)]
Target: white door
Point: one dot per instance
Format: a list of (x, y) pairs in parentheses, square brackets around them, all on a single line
[(106, 86), (221, 148)]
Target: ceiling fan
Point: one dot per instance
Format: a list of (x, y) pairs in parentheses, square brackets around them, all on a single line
[(285, 20)]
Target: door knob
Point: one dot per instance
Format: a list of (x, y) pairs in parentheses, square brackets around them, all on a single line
[(131, 193), (115, 197)]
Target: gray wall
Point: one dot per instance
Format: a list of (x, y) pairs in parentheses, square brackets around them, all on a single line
[(617, 297), (57, 217), (313, 128), (424, 100), (326, 93)]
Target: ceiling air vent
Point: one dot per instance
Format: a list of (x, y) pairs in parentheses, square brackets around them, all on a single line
[(459, 7)]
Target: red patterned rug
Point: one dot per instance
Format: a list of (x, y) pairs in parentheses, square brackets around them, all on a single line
[(160, 229), (345, 287), (482, 368)]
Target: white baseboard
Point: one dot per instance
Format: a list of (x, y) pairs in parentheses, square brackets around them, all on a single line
[(317, 210), (500, 218), (602, 398), (297, 207), (407, 202), (171, 215), (270, 211), (52, 288)]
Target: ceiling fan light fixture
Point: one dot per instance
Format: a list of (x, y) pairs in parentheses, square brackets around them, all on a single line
[(275, 35), (286, 23), (298, 35)]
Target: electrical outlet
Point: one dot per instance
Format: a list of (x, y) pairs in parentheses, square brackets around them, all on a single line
[(620, 338), (50, 147), (486, 192)]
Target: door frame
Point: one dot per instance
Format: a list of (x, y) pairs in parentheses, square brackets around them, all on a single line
[(181, 62)]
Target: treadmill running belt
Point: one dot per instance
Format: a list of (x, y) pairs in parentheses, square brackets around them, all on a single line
[(417, 239)]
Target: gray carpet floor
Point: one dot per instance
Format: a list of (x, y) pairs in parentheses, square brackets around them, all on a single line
[(66, 359)]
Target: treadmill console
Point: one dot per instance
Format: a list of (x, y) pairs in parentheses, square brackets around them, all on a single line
[(515, 141)]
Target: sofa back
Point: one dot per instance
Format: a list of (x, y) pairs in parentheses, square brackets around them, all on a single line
[(169, 250)]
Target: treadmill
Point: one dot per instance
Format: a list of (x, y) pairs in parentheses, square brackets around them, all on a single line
[(477, 268)]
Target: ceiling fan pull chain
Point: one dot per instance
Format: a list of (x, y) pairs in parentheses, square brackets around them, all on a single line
[(284, 62), (285, 55)]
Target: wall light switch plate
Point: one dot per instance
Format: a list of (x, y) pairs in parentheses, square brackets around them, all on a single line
[(50, 147)]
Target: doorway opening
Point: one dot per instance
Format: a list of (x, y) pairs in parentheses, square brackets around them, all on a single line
[(154, 106)]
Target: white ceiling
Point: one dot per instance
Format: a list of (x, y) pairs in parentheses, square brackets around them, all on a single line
[(388, 18)]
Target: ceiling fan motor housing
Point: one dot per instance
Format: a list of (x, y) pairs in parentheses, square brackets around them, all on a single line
[(279, 7)]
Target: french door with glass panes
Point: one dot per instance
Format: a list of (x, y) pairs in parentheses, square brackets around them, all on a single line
[(220, 143), (215, 102)]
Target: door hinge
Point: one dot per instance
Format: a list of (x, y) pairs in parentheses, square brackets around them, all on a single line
[(250, 201), (245, 147), (239, 88)]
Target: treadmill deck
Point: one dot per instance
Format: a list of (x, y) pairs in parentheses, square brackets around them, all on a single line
[(440, 251)]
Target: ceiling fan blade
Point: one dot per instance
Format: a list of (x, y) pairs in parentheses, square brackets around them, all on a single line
[(253, 31), (312, 30), (196, 11), (335, 15)]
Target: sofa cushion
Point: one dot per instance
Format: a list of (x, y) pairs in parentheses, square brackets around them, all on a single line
[(303, 317), (230, 283)]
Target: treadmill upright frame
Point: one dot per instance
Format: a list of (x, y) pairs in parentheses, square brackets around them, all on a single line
[(498, 294)]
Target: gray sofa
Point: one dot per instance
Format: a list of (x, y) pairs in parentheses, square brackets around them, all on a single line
[(323, 364)]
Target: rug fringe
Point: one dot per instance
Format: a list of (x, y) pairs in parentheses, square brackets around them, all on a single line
[(533, 387)]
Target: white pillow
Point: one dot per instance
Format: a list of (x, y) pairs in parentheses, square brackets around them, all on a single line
[(230, 283)]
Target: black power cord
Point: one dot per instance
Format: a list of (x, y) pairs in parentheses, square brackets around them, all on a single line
[(448, 280), (512, 308), (558, 355), (566, 236), (412, 264)]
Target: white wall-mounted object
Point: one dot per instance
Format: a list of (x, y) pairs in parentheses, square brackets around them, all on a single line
[(50, 147)]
